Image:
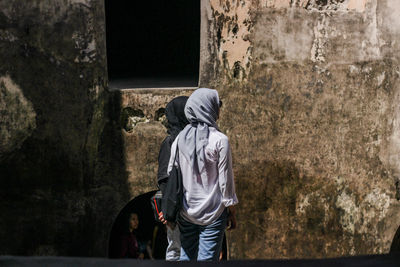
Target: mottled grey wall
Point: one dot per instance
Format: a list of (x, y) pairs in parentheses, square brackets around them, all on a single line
[(310, 91), (59, 188), (143, 130)]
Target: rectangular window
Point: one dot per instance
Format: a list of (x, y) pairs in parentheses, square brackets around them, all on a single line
[(153, 44)]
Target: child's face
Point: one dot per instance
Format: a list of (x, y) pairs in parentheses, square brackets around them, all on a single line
[(133, 221)]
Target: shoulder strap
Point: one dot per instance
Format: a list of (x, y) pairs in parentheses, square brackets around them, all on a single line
[(176, 151)]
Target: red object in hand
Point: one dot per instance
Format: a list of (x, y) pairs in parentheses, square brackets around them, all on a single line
[(161, 217)]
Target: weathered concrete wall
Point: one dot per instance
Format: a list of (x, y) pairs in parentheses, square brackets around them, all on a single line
[(18, 118), (143, 129), (310, 91), (59, 190)]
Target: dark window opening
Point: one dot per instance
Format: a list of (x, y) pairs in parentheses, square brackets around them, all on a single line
[(153, 43)]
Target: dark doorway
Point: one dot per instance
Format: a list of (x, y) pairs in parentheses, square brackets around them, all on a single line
[(153, 43), (395, 247), (149, 231)]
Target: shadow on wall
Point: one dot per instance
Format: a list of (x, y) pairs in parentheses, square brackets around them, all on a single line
[(271, 190), (106, 191), (67, 172)]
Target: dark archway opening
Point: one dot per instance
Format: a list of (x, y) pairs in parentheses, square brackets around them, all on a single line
[(395, 247), (153, 43), (149, 230)]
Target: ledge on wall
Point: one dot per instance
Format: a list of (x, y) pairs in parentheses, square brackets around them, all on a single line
[(151, 83)]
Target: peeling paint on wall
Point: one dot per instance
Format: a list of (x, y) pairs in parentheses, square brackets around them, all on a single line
[(320, 40), (356, 5), (363, 218), (234, 26), (300, 34), (87, 50), (326, 31)]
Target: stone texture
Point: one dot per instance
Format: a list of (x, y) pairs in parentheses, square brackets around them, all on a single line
[(17, 119), (312, 118), (310, 92), (143, 140), (310, 173), (59, 188)]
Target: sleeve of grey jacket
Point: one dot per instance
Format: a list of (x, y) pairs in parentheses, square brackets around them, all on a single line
[(172, 157), (225, 174)]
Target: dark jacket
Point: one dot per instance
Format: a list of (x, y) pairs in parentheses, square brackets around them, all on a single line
[(176, 122), (128, 246)]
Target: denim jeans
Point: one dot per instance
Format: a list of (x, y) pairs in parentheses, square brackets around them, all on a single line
[(202, 242)]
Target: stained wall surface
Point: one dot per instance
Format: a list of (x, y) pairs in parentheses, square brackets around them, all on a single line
[(59, 188), (310, 91), (143, 127)]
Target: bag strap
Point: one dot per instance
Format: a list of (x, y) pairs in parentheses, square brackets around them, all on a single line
[(177, 150)]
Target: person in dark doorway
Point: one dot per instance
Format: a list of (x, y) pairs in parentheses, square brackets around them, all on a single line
[(129, 246), (176, 121), (159, 241), (205, 160)]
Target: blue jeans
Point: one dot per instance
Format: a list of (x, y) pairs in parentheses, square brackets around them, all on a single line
[(202, 242)]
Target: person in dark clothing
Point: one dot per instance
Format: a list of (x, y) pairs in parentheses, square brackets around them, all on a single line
[(159, 241), (129, 247), (176, 121), (205, 161)]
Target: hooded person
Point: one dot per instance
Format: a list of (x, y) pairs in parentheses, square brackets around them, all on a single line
[(204, 157), (176, 121)]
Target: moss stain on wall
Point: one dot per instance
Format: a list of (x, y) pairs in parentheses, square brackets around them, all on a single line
[(310, 92), (317, 107)]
